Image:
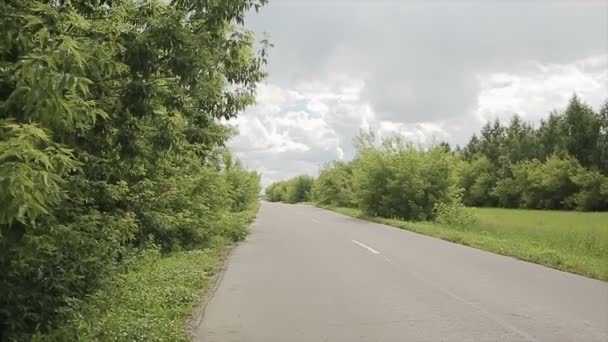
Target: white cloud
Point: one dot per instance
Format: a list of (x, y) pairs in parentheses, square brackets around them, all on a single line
[(305, 126), (295, 130), (541, 88)]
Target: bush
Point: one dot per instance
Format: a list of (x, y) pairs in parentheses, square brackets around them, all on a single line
[(399, 180), (454, 213), (478, 178), (299, 189), (277, 192), (334, 185), (294, 190), (542, 185), (111, 137), (594, 191)]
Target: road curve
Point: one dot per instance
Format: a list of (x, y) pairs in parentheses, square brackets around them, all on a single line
[(307, 274)]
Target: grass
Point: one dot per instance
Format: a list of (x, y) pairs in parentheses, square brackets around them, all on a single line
[(153, 300), (575, 242)]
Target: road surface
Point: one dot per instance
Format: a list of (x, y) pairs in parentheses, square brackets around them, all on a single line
[(307, 274)]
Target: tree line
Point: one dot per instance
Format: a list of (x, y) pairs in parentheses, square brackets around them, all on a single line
[(561, 164), (111, 142)]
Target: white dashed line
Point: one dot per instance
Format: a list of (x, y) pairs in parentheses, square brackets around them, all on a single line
[(366, 247), (315, 221)]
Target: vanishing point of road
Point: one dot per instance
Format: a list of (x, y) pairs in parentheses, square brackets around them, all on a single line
[(308, 274)]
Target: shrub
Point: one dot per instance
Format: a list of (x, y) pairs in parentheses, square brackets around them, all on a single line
[(542, 185), (334, 185), (111, 137), (399, 180), (299, 189), (454, 213), (594, 190)]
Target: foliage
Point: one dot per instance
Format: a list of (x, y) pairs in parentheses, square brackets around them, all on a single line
[(392, 180), (295, 190), (277, 192), (560, 165), (399, 180), (453, 213), (478, 178), (244, 185), (150, 302), (111, 139), (593, 194), (334, 185), (299, 189)]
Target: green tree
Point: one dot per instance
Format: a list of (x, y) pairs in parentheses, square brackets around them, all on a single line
[(334, 185), (550, 135), (299, 189), (478, 178), (581, 130), (601, 155), (111, 139)]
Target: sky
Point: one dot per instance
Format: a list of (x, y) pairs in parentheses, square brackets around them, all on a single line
[(430, 71)]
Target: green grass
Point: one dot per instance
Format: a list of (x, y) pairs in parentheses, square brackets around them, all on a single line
[(576, 242), (153, 300)]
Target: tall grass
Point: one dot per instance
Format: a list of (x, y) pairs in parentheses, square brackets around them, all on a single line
[(575, 232)]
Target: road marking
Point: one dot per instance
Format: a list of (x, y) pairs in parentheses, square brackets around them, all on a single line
[(366, 247), (387, 259), (315, 221)]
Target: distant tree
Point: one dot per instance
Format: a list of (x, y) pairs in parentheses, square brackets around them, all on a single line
[(299, 189), (601, 155), (492, 137), (445, 146), (581, 130), (520, 141), (550, 135), (333, 186), (478, 178)]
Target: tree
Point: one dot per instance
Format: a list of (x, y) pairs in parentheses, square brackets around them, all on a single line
[(581, 129), (601, 155), (478, 178), (299, 189), (111, 140), (334, 185), (550, 135)]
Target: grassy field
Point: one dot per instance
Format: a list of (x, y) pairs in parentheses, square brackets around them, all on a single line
[(570, 241)]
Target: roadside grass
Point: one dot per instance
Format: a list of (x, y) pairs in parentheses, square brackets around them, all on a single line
[(154, 300), (571, 241)]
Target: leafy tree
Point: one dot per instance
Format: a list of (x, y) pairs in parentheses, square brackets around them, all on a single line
[(110, 139), (601, 155), (299, 189), (399, 180), (295, 190), (593, 194), (551, 139), (478, 178), (277, 192), (581, 130), (520, 141), (334, 185), (539, 185)]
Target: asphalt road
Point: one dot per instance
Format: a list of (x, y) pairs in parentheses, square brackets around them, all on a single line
[(307, 274)]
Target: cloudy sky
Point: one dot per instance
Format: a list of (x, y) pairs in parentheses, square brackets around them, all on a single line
[(429, 70)]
